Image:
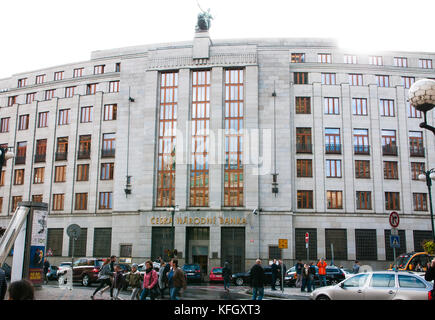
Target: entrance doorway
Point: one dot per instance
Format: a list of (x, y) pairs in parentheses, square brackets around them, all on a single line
[(197, 247), (233, 248)]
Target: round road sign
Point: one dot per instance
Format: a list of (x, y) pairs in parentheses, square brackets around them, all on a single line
[(394, 219)]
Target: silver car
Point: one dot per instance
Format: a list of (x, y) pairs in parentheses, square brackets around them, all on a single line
[(387, 285)]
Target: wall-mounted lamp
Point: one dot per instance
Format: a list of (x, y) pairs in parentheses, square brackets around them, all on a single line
[(127, 189)]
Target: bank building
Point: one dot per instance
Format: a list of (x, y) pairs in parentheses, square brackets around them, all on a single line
[(236, 143)]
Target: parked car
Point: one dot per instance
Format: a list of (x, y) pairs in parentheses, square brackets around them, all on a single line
[(192, 272), (412, 261), (52, 273), (347, 272), (244, 278), (85, 270), (384, 285), (216, 274), (7, 269), (333, 276)]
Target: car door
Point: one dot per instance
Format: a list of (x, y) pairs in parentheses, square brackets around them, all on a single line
[(352, 288), (411, 288), (381, 287)]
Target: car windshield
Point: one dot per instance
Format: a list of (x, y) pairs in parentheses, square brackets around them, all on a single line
[(217, 271), (402, 260), (65, 264), (191, 267), (98, 263)]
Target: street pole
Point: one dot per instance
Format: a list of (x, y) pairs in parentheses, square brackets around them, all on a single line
[(332, 253), (428, 176), (173, 231)]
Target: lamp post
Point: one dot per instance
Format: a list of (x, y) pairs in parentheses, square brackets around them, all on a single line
[(172, 209), (428, 176), (5, 154), (421, 95)]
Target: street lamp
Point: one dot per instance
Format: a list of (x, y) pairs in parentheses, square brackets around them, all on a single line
[(172, 209), (5, 154), (428, 176)]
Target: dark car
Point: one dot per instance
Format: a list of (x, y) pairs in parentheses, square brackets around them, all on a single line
[(192, 272), (52, 273), (334, 275), (85, 270), (7, 269), (244, 278)]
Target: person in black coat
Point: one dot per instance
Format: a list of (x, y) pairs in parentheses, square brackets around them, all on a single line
[(281, 268), (3, 284), (257, 280), (430, 275), (274, 268)]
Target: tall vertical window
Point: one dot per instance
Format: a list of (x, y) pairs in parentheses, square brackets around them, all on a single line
[(62, 149), (109, 143), (297, 57), (114, 86), (305, 199), (118, 67), (167, 139), (407, 82), (331, 106), (324, 58), (364, 200), (234, 116), (22, 82), (78, 72), (361, 141), (40, 79), (425, 63), (391, 170), (199, 171), (300, 77), (420, 201), (15, 201), (60, 174), (359, 106), (81, 201), (334, 199), (4, 124), (376, 60), (99, 69), (82, 172), (107, 170), (91, 88), (41, 150), (303, 140), (332, 140), (303, 105), (392, 201), (30, 97), (355, 79), (21, 152), (43, 119), (19, 176), (58, 75), (412, 112), (389, 143), (400, 62), (58, 202), (417, 168), (12, 100), (328, 78), (86, 114), (110, 112), (105, 200), (69, 92), (38, 175), (383, 80), (84, 147), (362, 169), (23, 122), (304, 168), (351, 59), (416, 143), (49, 94), (333, 168), (386, 107), (63, 117)]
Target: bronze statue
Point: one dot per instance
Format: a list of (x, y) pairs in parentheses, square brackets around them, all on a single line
[(204, 18)]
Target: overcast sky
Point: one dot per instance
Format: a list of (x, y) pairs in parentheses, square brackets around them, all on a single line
[(39, 34)]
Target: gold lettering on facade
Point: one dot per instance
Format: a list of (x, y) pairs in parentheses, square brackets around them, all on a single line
[(199, 220)]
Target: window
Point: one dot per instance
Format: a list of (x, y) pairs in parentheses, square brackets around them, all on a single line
[(40, 79), (383, 281), (125, 250), (376, 60), (303, 105), (99, 69), (37, 198), (234, 116), (416, 144), (105, 200), (364, 200), (324, 58), (331, 106), (58, 75), (420, 201), (392, 201), (15, 201), (389, 145), (62, 149), (91, 88), (22, 82), (300, 246), (23, 122), (337, 238), (49, 94), (333, 168), (297, 57), (84, 147), (107, 171), (274, 252), (328, 78), (81, 201), (416, 169), (407, 82), (78, 72), (118, 69), (86, 114), (412, 112), (21, 152), (400, 62), (12, 100), (366, 247), (362, 169), (108, 145), (63, 117), (305, 199), (361, 141), (60, 174), (55, 241), (69, 92), (300, 78), (390, 170), (359, 106), (114, 86), (43, 119), (332, 140), (2, 178), (200, 116), (303, 140), (58, 202), (386, 107), (304, 168), (30, 97), (4, 125), (102, 242), (383, 80), (41, 150), (352, 59), (19, 177), (425, 63), (410, 282), (110, 112), (334, 199), (82, 172), (38, 176), (356, 79)]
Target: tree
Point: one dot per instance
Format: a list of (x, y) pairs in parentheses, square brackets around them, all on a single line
[(429, 247)]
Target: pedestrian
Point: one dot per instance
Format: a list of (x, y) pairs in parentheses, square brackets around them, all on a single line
[(356, 267), (322, 271), (118, 281), (134, 281), (257, 280), (104, 278), (45, 270), (226, 274), (149, 282), (3, 284), (176, 279), (306, 283), (299, 266), (112, 261), (282, 268), (312, 269), (21, 290), (274, 268), (430, 275), (162, 278)]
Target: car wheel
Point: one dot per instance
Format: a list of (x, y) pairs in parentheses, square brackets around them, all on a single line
[(323, 297), (239, 281), (85, 280)]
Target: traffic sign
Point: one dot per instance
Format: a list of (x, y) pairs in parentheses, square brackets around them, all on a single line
[(394, 232), (307, 237), (282, 243), (394, 219), (394, 241)]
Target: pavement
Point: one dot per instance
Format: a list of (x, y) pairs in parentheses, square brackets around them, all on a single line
[(287, 293)]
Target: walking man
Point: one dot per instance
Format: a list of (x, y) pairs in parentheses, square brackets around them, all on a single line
[(257, 281), (45, 270), (176, 279), (299, 266), (322, 271), (274, 274), (226, 274)]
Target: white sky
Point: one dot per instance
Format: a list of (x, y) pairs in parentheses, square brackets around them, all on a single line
[(45, 33)]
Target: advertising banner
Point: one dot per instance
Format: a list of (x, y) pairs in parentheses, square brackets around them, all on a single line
[(37, 246)]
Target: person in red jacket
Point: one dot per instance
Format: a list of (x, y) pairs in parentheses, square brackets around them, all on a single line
[(150, 280), (322, 271)]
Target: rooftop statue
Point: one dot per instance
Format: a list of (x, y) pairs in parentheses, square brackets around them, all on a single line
[(204, 18)]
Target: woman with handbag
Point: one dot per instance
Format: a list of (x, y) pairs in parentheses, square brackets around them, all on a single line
[(149, 282)]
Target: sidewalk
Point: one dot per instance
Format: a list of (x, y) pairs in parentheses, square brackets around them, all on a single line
[(289, 293)]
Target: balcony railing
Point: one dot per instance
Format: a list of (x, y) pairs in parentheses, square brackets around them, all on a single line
[(361, 149), (304, 148), (107, 153), (20, 160), (85, 154), (389, 150), (40, 157), (333, 148), (416, 151), (61, 156)]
